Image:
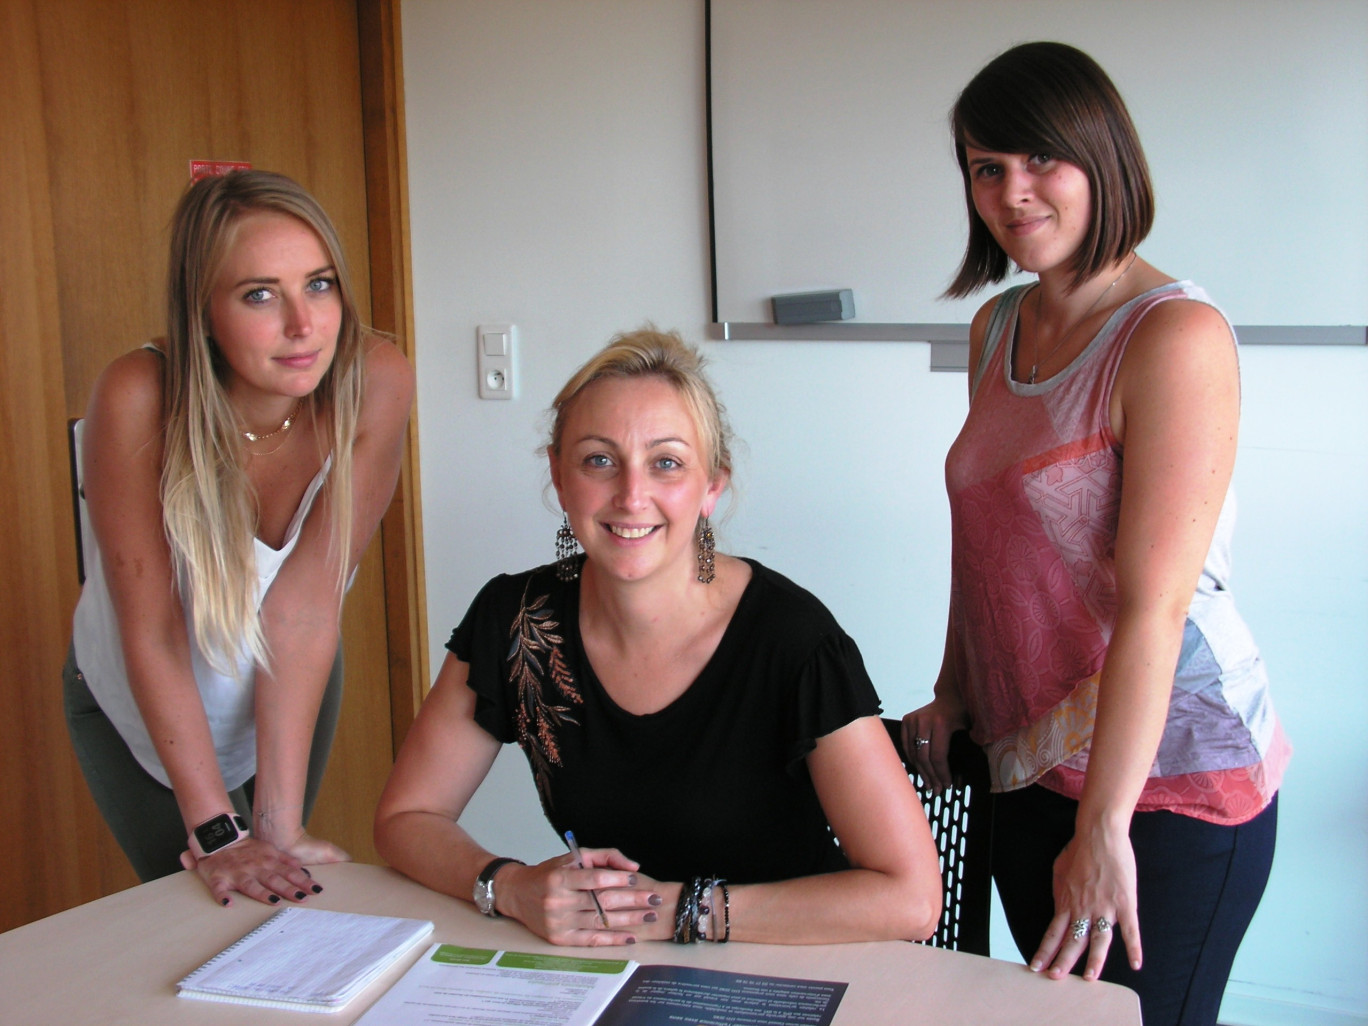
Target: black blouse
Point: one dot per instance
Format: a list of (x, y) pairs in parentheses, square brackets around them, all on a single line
[(713, 784)]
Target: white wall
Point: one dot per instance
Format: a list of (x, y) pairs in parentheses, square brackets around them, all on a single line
[(831, 146), (557, 182), (556, 156)]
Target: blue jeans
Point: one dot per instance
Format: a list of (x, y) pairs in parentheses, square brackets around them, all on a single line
[(141, 812), (1198, 885)]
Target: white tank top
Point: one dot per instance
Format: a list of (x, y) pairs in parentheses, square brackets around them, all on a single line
[(228, 700)]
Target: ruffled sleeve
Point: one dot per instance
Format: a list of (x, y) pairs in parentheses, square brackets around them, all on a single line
[(833, 689), (481, 640)]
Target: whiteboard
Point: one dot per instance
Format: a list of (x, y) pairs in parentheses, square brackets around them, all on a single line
[(833, 165)]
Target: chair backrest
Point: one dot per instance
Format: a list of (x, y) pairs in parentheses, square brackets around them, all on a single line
[(961, 825), (84, 542)]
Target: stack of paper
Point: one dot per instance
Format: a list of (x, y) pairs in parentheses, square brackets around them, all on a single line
[(307, 959)]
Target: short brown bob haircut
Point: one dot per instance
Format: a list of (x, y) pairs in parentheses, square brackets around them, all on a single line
[(1053, 98)]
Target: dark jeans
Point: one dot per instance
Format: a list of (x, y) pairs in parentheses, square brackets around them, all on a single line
[(1198, 885), (142, 813)]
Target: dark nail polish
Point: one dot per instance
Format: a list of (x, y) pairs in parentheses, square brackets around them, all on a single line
[(274, 898), (631, 880), (631, 940), (300, 895), (306, 870), (317, 889), (654, 899), (223, 901), (649, 917)]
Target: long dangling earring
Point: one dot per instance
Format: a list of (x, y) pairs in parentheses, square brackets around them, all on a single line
[(707, 572), (567, 568)]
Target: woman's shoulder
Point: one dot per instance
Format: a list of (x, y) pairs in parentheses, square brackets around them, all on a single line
[(1181, 354), (978, 325), (993, 310), (129, 390), (999, 303), (538, 587), (389, 382), (804, 651), (385, 361), (1179, 321), (505, 598), (776, 597)]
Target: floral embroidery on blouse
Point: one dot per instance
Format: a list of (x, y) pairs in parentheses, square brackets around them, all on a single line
[(534, 659)]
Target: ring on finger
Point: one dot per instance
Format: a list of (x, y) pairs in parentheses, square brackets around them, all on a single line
[(1079, 928), (917, 742), (1102, 925)]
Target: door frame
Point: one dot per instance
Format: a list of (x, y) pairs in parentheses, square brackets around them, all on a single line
[(401, 536)]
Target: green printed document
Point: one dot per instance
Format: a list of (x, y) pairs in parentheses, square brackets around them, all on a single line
[(457, 986)]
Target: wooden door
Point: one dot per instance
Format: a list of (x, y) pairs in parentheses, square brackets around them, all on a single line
[(107, 102)]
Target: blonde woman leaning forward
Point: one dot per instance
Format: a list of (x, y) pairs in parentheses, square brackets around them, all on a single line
[(700, 722), (1094, 648), (233, 475)]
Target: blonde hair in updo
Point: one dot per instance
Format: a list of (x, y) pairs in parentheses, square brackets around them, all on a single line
[(647, 352)]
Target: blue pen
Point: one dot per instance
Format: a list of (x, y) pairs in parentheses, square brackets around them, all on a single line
[(579, 860)]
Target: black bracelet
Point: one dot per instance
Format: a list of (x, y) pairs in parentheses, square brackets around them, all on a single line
[(687, 911), (681, 930)]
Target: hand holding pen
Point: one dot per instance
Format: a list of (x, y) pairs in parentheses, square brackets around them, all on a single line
[(579, 861)]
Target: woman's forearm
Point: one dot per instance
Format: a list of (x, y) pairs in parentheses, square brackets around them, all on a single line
[(169, 702), (1132, 708), (432, 849), (303, 646), (853, 905)]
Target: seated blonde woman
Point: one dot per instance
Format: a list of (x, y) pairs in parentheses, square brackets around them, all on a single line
[(701, 723)]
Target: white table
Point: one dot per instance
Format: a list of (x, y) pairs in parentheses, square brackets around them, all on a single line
[(117, 960)]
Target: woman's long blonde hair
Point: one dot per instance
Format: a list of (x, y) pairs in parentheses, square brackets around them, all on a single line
[(208, 507)]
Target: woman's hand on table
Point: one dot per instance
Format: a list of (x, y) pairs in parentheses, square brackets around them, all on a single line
[(1094, 895), (256, 869), (553, 899), (314, 851)]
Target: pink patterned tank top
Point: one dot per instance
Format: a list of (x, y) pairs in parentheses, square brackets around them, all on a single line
[(1035, 492)]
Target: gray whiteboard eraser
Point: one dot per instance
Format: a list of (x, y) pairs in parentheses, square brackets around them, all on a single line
[(814, 307)]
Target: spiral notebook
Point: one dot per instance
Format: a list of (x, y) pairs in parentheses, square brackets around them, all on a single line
[(306, 959)]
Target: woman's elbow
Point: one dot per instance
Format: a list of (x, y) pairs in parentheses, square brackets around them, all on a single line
[(922, 889), (921, 910), (907, 904), (392, 829), (383, 834), (920, 900)]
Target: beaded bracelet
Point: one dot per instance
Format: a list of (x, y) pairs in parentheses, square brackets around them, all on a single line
[(695, 918)]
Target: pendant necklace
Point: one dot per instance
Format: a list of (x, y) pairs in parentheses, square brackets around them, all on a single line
[(1035, 338)]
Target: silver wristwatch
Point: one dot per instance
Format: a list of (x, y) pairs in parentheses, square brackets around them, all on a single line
[(484, 886)]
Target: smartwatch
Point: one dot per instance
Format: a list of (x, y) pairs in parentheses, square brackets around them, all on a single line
[(484, 886), (216, 834)]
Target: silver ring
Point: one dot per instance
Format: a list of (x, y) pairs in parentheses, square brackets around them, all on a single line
[(1079, 928), (1102, 924), (917, 742)]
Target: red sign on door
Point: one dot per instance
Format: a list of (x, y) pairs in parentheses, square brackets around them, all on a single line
[(209, 168)]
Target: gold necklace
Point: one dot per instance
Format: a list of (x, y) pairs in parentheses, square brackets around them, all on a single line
[(271, 452), (1035, 336), (252, 436)]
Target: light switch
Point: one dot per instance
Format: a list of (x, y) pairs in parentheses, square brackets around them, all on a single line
[(495, 343), (494, 351)]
